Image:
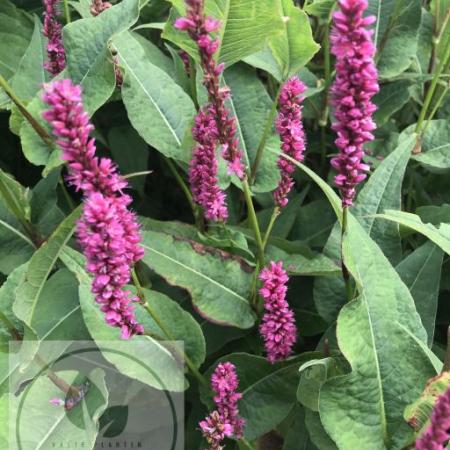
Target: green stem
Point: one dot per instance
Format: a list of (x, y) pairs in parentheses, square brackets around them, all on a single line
[(431, 90), (273, 218), (23, 110), (67, 11), (345, 273), (155, 317), (253, 222), (182, 184), (264, 137), (435, 108)]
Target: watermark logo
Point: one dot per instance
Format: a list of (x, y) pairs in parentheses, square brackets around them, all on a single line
[(103, 395)]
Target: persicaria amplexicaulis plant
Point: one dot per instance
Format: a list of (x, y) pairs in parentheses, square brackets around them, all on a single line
[(108, 231), (267, 271)]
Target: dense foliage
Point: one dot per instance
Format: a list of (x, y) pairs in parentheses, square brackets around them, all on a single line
[(266, 181)]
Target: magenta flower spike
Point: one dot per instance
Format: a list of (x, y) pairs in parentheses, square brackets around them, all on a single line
[(108, 232), (203, 167), (56, 54), (225, 420), (290, 128), (199, 28), (437, 435), (355, 84), (278, 328)]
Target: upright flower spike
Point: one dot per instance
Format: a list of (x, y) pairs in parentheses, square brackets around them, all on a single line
[(203, 167), (356, 83), (56, 54), (437, 435), (290, 128), (107, 232), (225, 420), (278, 328), (200, 28)]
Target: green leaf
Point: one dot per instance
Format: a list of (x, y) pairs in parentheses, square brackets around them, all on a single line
[(31, 75), (156, 366), (178, 322), (39, 268), (439, 10), (40, 425), (219, 284), (364, 408), (319, 436), (382, 191), (251, 106), (88, 56), (286, 53), (421, 273), (268, 390), (246, 24), (440, 236), (434, 214), (396, 34), (435, 150), (16, 28), (152, 97), (391, 98), (307, 264), (297, 437)]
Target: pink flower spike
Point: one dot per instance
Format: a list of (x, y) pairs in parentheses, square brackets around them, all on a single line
[(278, 328), (56, 55), (355, 84), (107, 232), (290, 128)]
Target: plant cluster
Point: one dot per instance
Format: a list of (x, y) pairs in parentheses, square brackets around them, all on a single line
[(265, 181)]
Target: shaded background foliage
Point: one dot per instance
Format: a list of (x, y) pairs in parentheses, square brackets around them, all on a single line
[(402, 313)]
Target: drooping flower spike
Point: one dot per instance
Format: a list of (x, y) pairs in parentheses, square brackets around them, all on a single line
[(98, 6), (437, 435), (355, 84), (203, 167), (56, 55), (290, 128), (200, 28), (278, 328), (225, 420), (107, 232)]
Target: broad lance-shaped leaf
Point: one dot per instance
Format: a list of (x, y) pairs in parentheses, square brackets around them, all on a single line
[(88, 56), (157, 107), (155, 364), (268, 390), (286, 53), (381, 191), (40, 266), (218, 282), (439, 235), (246, 24), (421, 273), (382, 337), (31, 75), (39, 425)]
